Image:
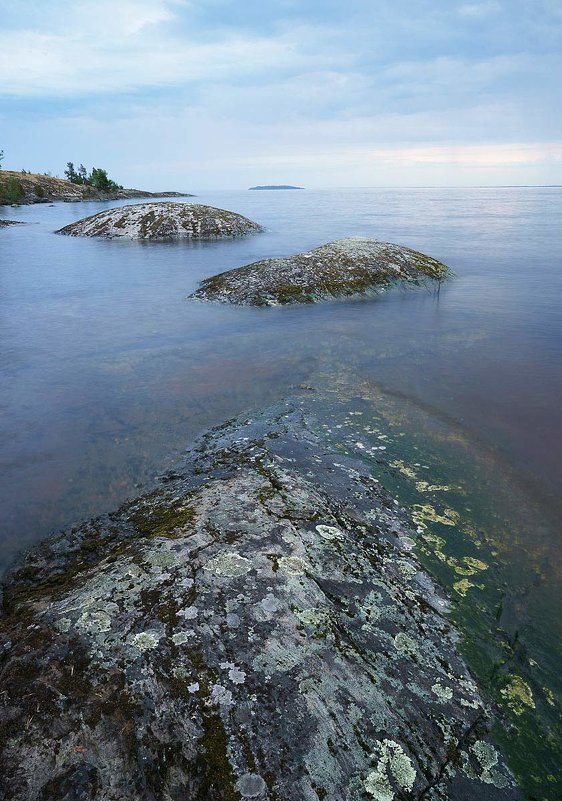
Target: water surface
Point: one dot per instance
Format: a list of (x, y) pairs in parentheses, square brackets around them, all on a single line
[(108, 372)]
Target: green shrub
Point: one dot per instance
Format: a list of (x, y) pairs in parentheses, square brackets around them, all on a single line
[(11, 189)]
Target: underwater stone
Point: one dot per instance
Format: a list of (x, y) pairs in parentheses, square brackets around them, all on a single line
[(518, 695)]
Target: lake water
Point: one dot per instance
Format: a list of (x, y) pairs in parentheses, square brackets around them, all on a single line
[(108, 372)]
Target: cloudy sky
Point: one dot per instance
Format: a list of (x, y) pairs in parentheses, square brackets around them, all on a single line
[(210, 94)]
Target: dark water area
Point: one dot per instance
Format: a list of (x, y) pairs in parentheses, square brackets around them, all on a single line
[(108, 373)]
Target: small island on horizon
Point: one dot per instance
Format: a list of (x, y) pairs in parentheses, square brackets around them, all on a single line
[(276, 186)]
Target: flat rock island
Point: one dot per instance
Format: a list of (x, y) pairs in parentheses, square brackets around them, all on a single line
[(162, 221), (346, 267), (257, 627)]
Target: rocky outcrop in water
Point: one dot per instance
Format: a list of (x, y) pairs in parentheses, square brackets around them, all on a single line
[(25, 188), (163, 221), (346, 267), (255, 628), (6, 223)]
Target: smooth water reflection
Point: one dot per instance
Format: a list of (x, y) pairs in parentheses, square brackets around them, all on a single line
[(108, 372)]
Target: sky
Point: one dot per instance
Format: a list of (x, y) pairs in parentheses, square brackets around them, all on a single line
[(225, 94)]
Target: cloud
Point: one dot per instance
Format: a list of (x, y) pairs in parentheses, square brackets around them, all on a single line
[(479, 10), (403, 85), (117, 47)]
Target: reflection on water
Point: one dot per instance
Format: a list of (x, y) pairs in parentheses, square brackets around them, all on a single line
[(473, 534), (108, 372)]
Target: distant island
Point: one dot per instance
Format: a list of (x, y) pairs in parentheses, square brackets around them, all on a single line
[(280, 186)]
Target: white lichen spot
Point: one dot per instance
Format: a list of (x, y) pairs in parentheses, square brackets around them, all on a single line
[(63, 624), (313, 617), (406, 568), (329, 532), (228, 563), (407, 543), (393, 763), (271, 604), (145, 640), (93, 622), (443, 693), (292, 565), (181, 637), (189, 613), (487, 757), (404, 643), (236, 675), (193, 688), (220, 695), (371, 608), (251, 785), (162, 558)]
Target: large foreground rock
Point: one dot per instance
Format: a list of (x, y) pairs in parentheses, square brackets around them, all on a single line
[(257, 628), (162, 221), (346, 267)]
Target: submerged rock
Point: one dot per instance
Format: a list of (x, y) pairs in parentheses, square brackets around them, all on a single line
[(162, 221), (346, 267), (5, 223), (258, 627)]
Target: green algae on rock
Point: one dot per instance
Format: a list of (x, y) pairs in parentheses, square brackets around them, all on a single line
[(346, 267), (153, 221), (275, 643)]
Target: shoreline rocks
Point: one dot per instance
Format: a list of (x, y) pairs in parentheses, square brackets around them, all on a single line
[(24, 188), (153, 221), (256, 627), (338, 269)]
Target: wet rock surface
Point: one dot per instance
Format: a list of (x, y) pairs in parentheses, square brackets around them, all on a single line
[(5, 223), (163, 221), (346, 267), (256, 627)]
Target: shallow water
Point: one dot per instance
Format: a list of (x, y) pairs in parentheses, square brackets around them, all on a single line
[(108, 372)]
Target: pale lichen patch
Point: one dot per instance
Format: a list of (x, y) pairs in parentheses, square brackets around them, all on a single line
[(393, 764), (145, 640), (518, 695), (228, 563)]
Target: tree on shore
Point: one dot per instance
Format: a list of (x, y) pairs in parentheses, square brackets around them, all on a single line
[(98, 178)]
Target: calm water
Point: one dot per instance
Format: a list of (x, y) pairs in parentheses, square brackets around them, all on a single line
[(108, 372)]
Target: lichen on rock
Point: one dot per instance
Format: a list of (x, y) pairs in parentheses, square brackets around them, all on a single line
[(237, 652), (346, 267), (166, 220)]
